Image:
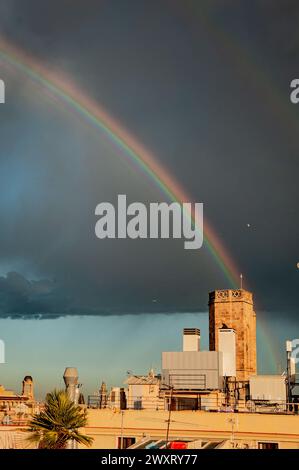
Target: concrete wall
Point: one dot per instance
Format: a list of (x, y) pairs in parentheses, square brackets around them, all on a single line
[(105, 427), (249, 429)]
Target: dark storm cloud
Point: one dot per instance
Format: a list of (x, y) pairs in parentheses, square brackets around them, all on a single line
[(170, 72), (44, 299), (18, 296)]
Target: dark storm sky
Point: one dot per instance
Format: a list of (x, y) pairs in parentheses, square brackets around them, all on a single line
[(205, 86)]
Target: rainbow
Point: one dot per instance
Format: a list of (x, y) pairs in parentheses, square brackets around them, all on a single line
[(66, 93)]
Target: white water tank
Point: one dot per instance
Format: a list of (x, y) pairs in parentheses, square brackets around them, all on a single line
[(227, 345)]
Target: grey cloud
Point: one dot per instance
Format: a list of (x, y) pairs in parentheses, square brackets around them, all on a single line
[(19, 296)]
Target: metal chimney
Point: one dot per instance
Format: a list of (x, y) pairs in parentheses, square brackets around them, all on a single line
[(70, 378)]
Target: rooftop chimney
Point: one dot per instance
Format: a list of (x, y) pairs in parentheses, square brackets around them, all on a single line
[(191, 339)]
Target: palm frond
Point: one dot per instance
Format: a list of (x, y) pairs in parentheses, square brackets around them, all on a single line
[(59, 423)]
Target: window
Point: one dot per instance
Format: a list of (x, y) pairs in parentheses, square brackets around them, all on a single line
[(268, 445), (127, 442)]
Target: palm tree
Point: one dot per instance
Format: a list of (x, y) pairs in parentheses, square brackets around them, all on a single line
[(59, 423)]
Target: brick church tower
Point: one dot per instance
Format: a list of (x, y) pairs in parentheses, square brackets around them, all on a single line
[(234, 309)]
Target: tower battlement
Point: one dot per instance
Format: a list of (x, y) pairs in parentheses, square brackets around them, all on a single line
[(231, 295)]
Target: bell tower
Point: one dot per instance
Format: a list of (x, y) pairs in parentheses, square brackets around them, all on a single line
[(27, 387), (234, 309)]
